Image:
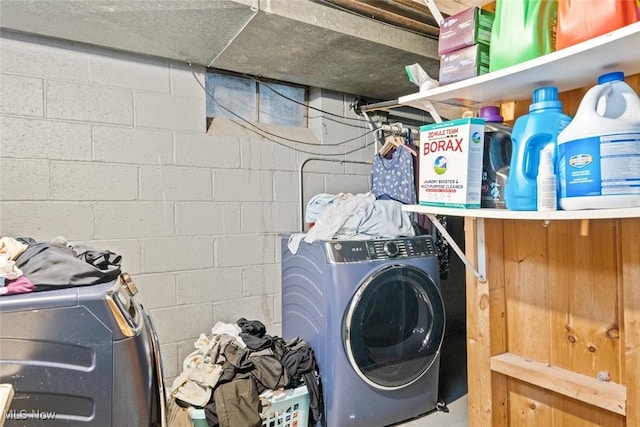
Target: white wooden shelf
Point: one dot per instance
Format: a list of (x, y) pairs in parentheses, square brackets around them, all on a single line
[(570, 68), (480, 272), (527, 215)]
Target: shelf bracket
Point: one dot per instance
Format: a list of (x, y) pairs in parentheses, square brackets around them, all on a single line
[(427, 106), (481, 272), (433, 8)]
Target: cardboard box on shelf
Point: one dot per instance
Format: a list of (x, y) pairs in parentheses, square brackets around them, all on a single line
[(466, 28), (470, 61), (451, 155)]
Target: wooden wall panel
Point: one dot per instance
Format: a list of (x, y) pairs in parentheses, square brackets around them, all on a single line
[(555, 296), (525, 267), (584, 312), (497, 316), (480, 404), (630, 328)]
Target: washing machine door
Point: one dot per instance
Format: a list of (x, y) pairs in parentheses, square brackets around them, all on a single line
[(394, 327)]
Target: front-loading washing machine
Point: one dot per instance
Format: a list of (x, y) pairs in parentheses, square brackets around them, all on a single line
[(372, 312)]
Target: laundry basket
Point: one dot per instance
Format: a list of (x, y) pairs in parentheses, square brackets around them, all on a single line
[(287, 408)]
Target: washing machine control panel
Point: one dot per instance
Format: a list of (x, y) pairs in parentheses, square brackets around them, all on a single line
[(342, 251)]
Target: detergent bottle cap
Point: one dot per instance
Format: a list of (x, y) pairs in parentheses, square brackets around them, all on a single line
[(545, 97), (611, 77), (491, 114)]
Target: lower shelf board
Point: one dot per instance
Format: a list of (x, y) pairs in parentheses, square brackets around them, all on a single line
[(605, 395)]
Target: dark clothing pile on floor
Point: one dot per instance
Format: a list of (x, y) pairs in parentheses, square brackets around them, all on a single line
[(229, 370)]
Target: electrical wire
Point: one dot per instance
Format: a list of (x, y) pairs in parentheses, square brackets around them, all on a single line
[(261, 132), (301, 103)]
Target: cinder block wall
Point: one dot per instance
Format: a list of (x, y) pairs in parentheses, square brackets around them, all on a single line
[(110, 149)]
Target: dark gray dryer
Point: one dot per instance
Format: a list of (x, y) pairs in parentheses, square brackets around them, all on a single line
[(81, 356), (373, 314)]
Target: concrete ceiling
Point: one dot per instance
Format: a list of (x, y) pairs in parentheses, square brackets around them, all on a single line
[(300, 41)]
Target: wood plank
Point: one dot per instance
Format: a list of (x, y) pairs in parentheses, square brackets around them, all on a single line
[(530, 406), (525, 265), (607, 395), (494, 244), (6, 395), (585, 315), (630, 255), (478, 338)]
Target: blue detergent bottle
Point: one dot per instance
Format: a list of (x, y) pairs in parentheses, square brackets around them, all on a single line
[(531, 134)]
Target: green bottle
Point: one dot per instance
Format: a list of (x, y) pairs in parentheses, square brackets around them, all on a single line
[(522, 30)]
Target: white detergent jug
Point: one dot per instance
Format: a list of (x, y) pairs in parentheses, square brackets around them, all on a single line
[(599, 151)]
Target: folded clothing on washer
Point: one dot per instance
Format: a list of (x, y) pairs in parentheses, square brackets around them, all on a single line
[(358, 216)]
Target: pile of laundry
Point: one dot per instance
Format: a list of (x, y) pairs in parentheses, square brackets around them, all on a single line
[(30, 266), (349, 216), (232, 367)]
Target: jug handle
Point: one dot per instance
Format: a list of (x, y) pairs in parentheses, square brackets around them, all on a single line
[(590, 100)]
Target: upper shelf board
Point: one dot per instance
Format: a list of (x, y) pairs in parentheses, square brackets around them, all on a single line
[(570, 68), (532, 215)]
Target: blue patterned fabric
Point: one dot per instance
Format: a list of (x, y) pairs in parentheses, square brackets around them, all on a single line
[(393, 178)]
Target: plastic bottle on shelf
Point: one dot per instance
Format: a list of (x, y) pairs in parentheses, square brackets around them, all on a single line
[(599, 152), (497, 156), (531, 134), (522, 30), (547, 190), (582, 20)]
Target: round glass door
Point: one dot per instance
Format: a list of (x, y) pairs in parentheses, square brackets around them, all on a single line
[(394, 327)]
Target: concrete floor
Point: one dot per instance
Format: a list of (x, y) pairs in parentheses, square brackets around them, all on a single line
[(453, 387)]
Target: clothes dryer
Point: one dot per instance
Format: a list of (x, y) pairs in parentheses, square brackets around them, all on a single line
[(372, 312)]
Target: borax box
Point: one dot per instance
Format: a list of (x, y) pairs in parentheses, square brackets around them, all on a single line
[(451, 163)]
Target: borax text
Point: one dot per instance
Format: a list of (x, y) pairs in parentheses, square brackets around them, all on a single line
[(451, 144)]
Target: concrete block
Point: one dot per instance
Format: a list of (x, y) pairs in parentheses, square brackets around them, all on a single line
[(312, 184), (261, 280), (21, 96), (242, 185), (175, 183), (91, 181), (254, 308), (89, 103), (156, 290), (111, 68), (24, 179), (47, 58), (171, 363), (130, 250), (240, 250), (204, 150), (287, 217), (197, 218), (133, 219), (176, 323), (353, 184), (165, 111), (177, 254), (41, 139), (284, 158), (211, 285), (132, 145), (286, 186), (46, 220), (258, 217), (257, 154), (183, 82)]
